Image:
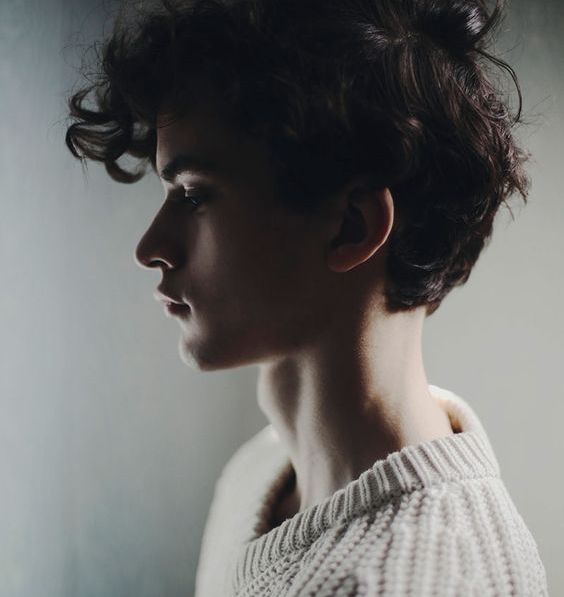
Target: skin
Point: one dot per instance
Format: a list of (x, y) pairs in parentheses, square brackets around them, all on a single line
[(341, 380)]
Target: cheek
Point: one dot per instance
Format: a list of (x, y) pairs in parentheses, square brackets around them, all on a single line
[(260, 267), (257, 291)]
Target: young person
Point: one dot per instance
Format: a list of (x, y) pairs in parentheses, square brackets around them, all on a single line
[(331, 169)]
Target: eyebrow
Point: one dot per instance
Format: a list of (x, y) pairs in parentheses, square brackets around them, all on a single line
[(183, 163)]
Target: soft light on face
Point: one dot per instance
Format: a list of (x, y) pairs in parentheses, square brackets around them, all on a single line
[(246, 265)]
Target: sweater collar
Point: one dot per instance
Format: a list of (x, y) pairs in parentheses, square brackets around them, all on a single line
[(467, 454)]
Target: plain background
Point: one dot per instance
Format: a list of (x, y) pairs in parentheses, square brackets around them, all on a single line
[(109, 444)]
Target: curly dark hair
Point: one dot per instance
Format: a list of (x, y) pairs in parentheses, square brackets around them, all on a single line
[(400, 90)]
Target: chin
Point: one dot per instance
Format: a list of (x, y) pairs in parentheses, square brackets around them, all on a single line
[(192, 358), (214, 356), (200, 359)]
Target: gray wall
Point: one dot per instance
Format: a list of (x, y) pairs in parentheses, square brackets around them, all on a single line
[(109, 445)]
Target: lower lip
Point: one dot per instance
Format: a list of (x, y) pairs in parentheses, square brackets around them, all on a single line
[(175, 309)]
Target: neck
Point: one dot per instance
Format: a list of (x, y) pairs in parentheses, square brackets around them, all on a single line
[(354, 397)]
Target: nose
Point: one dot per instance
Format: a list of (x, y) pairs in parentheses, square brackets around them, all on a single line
[(157, 247)]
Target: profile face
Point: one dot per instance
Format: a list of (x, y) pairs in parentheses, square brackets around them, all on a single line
[(248, 268)]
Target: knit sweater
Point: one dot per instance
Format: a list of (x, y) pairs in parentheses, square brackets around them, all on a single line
[(433, 518)]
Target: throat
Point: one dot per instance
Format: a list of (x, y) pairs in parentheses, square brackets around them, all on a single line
[(286, 504)]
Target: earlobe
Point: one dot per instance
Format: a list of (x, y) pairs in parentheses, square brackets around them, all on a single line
[(365, 225)]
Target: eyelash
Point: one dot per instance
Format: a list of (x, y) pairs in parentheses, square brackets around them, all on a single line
[(189, 198), (198, 196)]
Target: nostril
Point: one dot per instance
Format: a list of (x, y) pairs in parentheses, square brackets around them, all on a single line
[(151, 262), (143, 260), (144, 255), (160, 251), (138, 258)]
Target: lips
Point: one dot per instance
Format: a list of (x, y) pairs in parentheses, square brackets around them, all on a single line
[(176, 309), (172, 305), (167, 298)]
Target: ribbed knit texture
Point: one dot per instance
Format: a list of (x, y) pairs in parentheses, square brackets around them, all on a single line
[(430, 519)]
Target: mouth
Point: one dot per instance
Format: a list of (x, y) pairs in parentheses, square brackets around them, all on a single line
[(166, 298), (176, 309)]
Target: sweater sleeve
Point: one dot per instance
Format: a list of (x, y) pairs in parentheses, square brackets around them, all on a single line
[(221, 532)]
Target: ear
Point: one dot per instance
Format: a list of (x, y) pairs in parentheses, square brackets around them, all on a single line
[(361, 224)]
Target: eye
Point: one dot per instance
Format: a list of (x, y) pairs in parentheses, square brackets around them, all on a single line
[(195, 199), (192, 197)]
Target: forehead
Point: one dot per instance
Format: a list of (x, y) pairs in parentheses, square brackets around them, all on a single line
[(202, 141), (189, 120), (197, 132)]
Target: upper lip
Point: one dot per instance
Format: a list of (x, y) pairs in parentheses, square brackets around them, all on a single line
[(165, 298)]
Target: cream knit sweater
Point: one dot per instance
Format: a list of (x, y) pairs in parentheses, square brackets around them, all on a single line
[(430, 519)]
